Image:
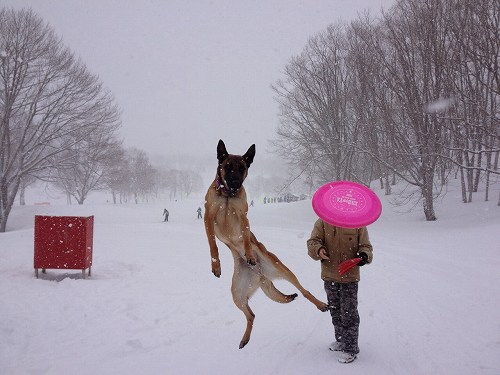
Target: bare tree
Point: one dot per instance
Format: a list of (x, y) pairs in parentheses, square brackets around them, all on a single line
[(172, 182), (179, 183), (191, 182), (413, 94), (373, 105), (474, 124), (438, 55), (26, 181), (89, 161), (417, 34), (316, 130), (142, 174), (48, 101), (118, 175)]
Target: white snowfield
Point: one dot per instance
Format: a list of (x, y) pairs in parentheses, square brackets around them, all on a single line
[(429, 302)]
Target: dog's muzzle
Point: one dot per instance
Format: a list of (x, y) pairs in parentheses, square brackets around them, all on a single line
[(226, 188), (234, 184)]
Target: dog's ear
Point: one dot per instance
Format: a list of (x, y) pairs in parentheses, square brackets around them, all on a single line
[(221, 151), (249, 155)]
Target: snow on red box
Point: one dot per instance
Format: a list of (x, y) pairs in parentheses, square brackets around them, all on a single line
[(63, 242)]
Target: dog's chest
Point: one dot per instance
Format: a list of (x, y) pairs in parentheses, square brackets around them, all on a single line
[(228, 219)]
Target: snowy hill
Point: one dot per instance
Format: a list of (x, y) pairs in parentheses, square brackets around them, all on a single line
[(428, 304)]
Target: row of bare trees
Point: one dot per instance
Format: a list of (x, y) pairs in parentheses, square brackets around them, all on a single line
[(413, 93), (54, 114), (59, 124), (133, 177)]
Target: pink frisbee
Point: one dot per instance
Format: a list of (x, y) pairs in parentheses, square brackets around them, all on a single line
[(346, 204)]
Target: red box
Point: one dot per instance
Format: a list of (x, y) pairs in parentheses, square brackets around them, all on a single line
[(63, 242)]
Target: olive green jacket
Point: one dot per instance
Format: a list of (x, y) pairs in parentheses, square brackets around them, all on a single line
[(340, 244)]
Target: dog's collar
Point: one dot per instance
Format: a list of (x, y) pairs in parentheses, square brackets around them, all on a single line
[(219, 185)]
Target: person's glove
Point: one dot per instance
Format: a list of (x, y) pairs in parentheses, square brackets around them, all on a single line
[(364, 259)]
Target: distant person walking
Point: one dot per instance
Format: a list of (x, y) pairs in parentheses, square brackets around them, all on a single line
[(199, 212), (165, 214)]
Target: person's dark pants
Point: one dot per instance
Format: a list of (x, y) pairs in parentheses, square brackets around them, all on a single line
[(343, 302)]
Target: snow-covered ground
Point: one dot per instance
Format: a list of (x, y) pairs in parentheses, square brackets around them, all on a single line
[(429, 303)]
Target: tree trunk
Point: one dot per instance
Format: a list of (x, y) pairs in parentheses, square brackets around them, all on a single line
[(462, 184), (388, 189), (22, 200), (427, 193), (4, 216), (478, 172), (469, 162), (470, 183), (7, 200), (430, 215), (487, 183)]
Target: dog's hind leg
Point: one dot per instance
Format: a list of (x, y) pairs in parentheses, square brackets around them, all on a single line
[(273, 268), (245, 283), (291, 278), (248, 331), (270, 290)]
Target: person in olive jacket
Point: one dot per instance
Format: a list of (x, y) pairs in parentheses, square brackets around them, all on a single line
[(332, 245)]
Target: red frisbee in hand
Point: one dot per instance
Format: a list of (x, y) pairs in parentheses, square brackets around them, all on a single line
[(346, 204), (348, 264)]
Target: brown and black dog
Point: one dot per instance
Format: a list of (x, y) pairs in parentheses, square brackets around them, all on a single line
[(226, 218)]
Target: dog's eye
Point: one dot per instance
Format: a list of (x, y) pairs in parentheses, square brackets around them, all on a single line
[(242, 169)]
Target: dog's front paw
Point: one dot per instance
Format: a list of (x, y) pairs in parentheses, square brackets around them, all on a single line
[(216, 271), (216, 267), (323, 307)]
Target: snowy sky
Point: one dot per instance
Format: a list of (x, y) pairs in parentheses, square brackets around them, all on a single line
[(186, 73)]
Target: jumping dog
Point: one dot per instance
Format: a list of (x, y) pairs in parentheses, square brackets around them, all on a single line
[(226, 218)]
